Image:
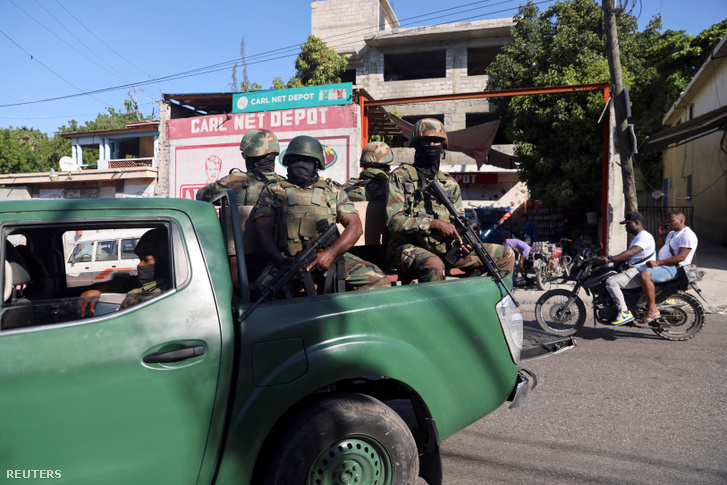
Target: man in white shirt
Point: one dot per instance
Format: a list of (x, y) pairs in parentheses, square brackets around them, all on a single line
[(678, 250), (642, 249)]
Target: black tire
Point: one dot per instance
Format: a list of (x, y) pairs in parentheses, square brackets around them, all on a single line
[(682, 317), (541, 280), (549, 316), (344, 438)]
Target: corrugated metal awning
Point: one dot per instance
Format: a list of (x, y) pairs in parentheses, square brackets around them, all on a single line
[(694, 128)]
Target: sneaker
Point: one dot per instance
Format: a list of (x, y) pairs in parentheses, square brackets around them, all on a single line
[(623, 318)]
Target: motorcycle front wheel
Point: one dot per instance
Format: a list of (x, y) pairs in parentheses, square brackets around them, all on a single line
[(541, 276), (682, 317), (553, 318)]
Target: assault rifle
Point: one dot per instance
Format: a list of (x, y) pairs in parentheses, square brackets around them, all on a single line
[(298, 264), (469, 238)]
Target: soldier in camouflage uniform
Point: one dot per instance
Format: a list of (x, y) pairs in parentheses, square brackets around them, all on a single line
[(259, 149), (371, 184), (287, 212), (151, 280), (420, 229)]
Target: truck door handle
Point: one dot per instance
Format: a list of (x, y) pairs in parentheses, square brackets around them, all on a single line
[(174, 355)]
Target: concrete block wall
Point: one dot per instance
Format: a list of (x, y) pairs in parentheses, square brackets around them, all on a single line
[(344, 25)]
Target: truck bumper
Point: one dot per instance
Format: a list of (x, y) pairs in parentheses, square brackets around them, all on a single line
[(537, 343), (526, 380)]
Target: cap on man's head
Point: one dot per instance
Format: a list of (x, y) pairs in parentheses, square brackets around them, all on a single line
[(633, 216)]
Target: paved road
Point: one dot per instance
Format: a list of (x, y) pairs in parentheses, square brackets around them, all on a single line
[(624, 407)]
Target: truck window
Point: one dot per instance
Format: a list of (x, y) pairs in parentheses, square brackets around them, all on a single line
[(49, 281)]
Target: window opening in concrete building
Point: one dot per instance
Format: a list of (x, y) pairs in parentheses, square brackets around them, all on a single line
[(415, 65), (474, 119), (349, 76), (479, 58)]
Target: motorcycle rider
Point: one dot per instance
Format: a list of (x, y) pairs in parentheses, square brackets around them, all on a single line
[(678, 250), (641, 250)]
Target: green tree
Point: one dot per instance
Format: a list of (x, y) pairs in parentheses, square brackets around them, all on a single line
[(559, 140), (317, 64), (16, 152)]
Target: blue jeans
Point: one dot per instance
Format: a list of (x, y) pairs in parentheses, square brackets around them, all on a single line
[(662, 274)]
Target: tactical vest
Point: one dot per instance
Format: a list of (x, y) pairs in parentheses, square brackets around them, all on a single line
[(248, 193), (433, 241), (302, 209)]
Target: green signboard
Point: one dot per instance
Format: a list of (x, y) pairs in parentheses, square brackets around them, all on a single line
[(306, 97)]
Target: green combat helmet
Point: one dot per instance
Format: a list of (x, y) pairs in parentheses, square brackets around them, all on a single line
[(428, 128), (376, 153), (306, 146), (153, 242), (258, 143)]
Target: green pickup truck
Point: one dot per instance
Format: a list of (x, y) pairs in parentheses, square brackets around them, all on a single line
[(347, 388)]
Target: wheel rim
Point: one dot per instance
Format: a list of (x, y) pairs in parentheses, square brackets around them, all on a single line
[(678, 316), (352, 461), (557, 319)]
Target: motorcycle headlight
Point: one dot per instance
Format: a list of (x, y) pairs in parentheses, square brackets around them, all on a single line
[(511, 322)]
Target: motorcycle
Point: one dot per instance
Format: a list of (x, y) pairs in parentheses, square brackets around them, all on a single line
[(549, 262), (563, 312)]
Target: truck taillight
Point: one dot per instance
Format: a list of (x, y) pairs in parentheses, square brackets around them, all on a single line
[(511, 321)]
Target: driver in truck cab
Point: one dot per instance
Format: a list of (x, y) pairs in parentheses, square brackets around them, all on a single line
[(152, 276)]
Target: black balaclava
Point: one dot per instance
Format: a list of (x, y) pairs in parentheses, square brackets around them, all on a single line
[(302, 171), (265, 163), (146, 274), (427, 158)]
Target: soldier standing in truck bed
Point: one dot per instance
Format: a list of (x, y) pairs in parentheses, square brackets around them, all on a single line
[(420, 228), (287, 212), (376, 160), (259, 149)]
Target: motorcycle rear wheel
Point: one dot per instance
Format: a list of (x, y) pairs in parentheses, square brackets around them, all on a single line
[(541, 278), (551, 318), (682, 317)]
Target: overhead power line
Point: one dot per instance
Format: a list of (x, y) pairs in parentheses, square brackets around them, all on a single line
[(283, 52)]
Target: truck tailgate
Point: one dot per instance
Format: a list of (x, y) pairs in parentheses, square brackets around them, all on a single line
[(537, 343)]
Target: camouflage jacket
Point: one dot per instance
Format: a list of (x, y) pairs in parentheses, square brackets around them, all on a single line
[(296, 210), (409, 214), (247, 186), (371, 185)]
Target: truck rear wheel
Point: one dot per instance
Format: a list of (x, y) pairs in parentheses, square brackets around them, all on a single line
[(345, 438)]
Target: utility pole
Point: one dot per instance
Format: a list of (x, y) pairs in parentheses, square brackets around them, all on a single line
[(618, 98)]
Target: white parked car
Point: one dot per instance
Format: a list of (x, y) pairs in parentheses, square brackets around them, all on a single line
[(101, 255)]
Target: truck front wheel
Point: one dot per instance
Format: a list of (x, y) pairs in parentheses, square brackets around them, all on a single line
[(346, 438)]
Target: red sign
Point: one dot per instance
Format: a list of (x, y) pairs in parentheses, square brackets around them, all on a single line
[(475, 178), (299, 120)]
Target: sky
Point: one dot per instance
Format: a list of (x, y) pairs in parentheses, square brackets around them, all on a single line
[(72, 59)]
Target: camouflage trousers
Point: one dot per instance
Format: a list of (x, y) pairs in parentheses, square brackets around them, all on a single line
[(359, 274), (414, 262)]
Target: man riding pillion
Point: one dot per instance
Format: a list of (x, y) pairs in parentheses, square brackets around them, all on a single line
[(420, 228), (371, 184), (259, 149), (287, 215), (677, 251), (642, 249)]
